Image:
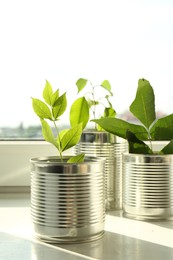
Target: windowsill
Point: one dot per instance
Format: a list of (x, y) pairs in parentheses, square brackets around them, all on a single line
[(15, 160), (123, 239)]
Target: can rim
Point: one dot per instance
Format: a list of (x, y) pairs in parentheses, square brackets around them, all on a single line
[(54, 160)]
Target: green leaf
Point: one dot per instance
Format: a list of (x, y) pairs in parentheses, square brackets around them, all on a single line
[(55, 96), (62, 133), (109, 112), (168, 149), (79, 112), (136, 145), (99, 128), (143, 107), (60, 136), (119, 127), (48, 134), (81, 83), (77, 159), (163, 128), (106, 85), (47, 93), (71, 137), (59, 106), (41, 109)]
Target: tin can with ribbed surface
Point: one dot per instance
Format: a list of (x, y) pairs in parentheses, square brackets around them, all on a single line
[(105, 145), (67, 199), (148, 186)]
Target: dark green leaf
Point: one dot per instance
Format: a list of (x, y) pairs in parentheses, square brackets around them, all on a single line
[(71, 137), (136, 145), (168, 149), (59, 106), (119, 127), (163, 128), (143, 107), (77, 159), (81, 83), (79, 112), (41, 109), (47, 93)]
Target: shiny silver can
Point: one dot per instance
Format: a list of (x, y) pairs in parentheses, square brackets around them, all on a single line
[(148, 186), (105, 145), (67, 199)]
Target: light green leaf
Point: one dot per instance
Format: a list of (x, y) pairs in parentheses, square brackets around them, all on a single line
[(81, 83), (41, 109), (47, 93), (79, 112), (119, 127), (77, 159), (143, 107), (71, 137), (62, 133), (163, 128), (48, 134), (59, 106), (99, 128), (168, 149), (55, 96), (109, 112), (106, 85), (60, 136)]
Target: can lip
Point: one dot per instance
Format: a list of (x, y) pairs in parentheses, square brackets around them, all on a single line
[(100, 137), (147, 155), (55, 160), (147, 158)]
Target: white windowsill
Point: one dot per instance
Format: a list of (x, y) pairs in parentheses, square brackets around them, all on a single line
[(127, 233)]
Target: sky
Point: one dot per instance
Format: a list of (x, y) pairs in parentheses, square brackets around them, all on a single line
[(61, 41)]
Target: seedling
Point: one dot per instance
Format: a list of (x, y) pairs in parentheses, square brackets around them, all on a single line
[(149, 128), (89, 105), (51, 110)]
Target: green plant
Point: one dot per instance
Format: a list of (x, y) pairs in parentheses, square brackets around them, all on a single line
[(51, 109), (149, 128), (83, 107)]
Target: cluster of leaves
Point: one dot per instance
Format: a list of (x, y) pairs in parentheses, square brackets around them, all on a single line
[(51, 109), (149, 128), (86, 105)]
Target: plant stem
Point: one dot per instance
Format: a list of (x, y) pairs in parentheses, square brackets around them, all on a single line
[(150, 140), (94, 110), (60, 150)]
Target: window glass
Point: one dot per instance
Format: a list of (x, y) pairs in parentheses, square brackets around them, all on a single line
[(61, 41)]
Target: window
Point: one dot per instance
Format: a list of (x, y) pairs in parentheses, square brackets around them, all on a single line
[(62, 41)]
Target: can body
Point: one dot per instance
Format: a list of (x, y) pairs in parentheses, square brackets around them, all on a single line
[(148, 186), (67, 200), (104, 145)]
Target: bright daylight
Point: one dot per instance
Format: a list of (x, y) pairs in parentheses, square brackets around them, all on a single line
[(62, 41)]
